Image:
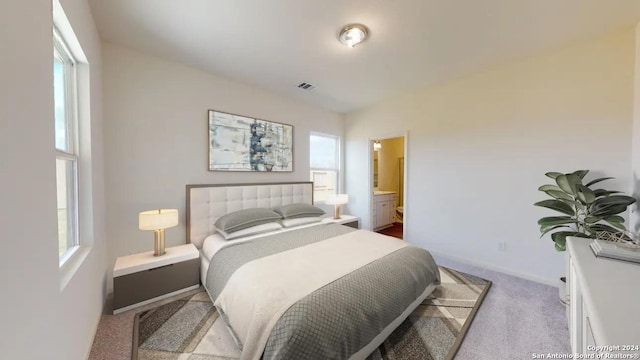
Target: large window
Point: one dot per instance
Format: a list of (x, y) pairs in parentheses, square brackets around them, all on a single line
[(325, 164), (66, 143)]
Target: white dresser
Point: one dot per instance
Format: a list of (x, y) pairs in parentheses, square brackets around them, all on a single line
[(604, 302)]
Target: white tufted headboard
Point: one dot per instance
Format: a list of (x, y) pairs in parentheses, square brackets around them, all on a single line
[(206, 203)]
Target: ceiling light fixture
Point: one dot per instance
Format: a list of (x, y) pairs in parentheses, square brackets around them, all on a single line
[(353, 34)]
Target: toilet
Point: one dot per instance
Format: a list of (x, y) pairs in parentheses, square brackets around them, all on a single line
[(399, 213)]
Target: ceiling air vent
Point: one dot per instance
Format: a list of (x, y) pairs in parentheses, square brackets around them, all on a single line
[(306, 86)]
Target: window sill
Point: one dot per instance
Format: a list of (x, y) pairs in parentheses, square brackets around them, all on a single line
[(72, 264)]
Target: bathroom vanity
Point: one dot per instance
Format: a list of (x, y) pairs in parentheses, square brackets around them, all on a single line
[(384, 208)]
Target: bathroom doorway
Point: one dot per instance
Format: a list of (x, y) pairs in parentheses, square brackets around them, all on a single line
[(388, 178)]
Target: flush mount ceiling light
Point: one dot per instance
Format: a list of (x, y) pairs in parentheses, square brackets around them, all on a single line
[(353, 34)]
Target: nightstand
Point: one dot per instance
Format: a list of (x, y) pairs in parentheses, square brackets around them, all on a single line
[(346, 220), (140, 279)]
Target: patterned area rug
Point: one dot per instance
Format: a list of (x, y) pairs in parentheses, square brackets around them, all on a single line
[(191, 328)]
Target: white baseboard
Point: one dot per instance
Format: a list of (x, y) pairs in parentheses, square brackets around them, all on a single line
[(550, 282), (95, 330)]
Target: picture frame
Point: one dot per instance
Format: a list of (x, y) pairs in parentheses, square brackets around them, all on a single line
[(242, 143)]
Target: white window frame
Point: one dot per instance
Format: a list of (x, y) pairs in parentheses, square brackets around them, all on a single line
[(337, 161), (71, 113)]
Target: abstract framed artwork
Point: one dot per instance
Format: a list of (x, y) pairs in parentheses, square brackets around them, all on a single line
[(240, 143)]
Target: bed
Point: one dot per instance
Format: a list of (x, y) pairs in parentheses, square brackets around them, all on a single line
[(313, 291)]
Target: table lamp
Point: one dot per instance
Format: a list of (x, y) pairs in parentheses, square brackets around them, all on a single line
[(158, 220), (337, 200)]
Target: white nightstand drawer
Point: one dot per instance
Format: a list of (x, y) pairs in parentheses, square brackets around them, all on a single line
[(142, 278), (153, 283)]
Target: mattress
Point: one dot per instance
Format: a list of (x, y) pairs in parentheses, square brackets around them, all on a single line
[(318, 292)]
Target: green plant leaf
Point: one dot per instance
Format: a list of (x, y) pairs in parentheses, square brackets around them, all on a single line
[(581, 173), (553, 174), (603, 192), (573, 203), (548, 187), (545, 229), (557, 206), (617, 225), (615, 219), (612, 200), (559, 194), (598, 180), (568, 183), (608, 210), (610, 205), (585, 194), (556, 220), (592, 219), (616, 199), (560, 238)]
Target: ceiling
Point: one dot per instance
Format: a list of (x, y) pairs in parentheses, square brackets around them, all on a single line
[(277, 44)]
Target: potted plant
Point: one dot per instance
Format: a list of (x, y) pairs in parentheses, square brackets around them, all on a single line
[(585, 211)]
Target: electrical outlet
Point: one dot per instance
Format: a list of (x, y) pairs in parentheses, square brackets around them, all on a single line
[(502, 246)]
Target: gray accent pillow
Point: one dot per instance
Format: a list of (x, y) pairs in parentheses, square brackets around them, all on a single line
[(292, 211), (254, 230), (246, 218)]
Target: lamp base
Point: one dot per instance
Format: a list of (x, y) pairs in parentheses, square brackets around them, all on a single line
[(158, 242), (336, 212)]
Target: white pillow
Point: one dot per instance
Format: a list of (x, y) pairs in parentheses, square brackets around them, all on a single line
[(299, 221), (262, 228)]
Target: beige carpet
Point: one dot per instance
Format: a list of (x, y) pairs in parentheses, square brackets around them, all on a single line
[(190, 328)]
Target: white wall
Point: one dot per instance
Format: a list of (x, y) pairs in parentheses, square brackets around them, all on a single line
[(634, 214), (156, 137), (478, 148), (39, 320)]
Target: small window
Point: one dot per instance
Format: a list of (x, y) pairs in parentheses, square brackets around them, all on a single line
[(324, 153), (66, 144)]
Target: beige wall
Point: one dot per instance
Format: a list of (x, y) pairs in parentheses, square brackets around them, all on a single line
[(478, 148), (389, 164), (156, 138), (41, 320)]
